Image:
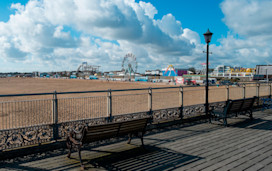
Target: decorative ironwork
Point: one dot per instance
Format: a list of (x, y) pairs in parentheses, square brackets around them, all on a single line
[(126, 117), (187, 112), (191, 111), (25, 136), (66, 127), (217, 105), (166, 114)]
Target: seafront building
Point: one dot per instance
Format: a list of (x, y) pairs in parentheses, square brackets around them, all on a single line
[(224, 71)]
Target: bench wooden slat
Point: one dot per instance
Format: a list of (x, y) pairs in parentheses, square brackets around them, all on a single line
[(132, 127), (248, 103), (89, 139), (135, 121), (102, 128), (235, 106), (132, 124), (113, 131)]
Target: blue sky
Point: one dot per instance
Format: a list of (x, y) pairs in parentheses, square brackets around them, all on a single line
[(6, 10), (60, 35), (197, 15)]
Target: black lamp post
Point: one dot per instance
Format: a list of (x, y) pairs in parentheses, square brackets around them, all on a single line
[(208, 37)]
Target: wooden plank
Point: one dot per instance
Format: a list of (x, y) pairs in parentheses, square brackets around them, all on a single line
[(103, 127), (253, 160), (248, 103), (138, 125), (231, 153), (113, 131)]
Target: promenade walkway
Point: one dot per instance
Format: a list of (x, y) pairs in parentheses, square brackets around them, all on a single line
[(244, 145)]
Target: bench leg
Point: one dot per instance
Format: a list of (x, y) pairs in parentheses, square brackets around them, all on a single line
[(69, 153), (69, 146), (141, 135), (79, 154), (250, 115), (142, 140), (225, 122), (129, 138), (210, 118)]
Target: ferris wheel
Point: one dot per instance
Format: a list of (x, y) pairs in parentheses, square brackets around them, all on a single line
[(129, 64)]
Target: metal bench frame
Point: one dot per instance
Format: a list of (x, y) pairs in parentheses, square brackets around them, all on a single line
[(233, 108), (267, 103), (88, 134)]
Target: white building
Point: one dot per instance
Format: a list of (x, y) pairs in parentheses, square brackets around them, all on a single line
[(222, 69), (229, 72), (152, 72)]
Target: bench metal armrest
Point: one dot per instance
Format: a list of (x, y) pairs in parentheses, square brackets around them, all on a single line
[(75, 133), (73, 140)]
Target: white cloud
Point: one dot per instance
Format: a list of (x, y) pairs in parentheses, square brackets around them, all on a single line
[(149, 9), (192, 36), (43, 31), (249, 41), (64, 33), (169, 25), (248, 18)]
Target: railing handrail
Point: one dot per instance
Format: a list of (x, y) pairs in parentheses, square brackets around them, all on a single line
[(104, 91)]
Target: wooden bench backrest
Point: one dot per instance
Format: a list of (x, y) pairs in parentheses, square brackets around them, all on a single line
[(234, 106), (100, 132), (132, 127), (248, 103), (110, 130)]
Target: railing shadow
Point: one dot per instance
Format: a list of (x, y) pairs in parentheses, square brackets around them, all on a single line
[(20, 167), (21, 163), (150, 158), (258, 123), (187, 129)]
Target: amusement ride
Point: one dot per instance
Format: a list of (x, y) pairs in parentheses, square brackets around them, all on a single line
[(129, 65)]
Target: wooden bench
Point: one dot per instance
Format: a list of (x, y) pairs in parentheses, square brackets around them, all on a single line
[(233, 108), (89, 134)]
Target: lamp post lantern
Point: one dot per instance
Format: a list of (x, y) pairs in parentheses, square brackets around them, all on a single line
[(208, 37)]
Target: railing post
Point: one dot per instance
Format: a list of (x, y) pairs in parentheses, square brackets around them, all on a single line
[(270, 90), (181, 101), (244, 91), (227, 92), (55, 116), (150, 100), (258, 93), (109, 106)]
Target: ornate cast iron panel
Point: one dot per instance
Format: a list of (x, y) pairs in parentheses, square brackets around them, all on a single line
[(25, 136)]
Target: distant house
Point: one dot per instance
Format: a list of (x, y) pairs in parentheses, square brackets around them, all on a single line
[(44, 74), (73, 76), (152, 72)]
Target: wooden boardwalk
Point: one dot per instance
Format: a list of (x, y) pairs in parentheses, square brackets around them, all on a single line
[(244, 145)]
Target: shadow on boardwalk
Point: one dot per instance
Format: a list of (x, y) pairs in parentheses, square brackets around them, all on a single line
[(150, 158), (255, 124), (258, 123), (244, 145)]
